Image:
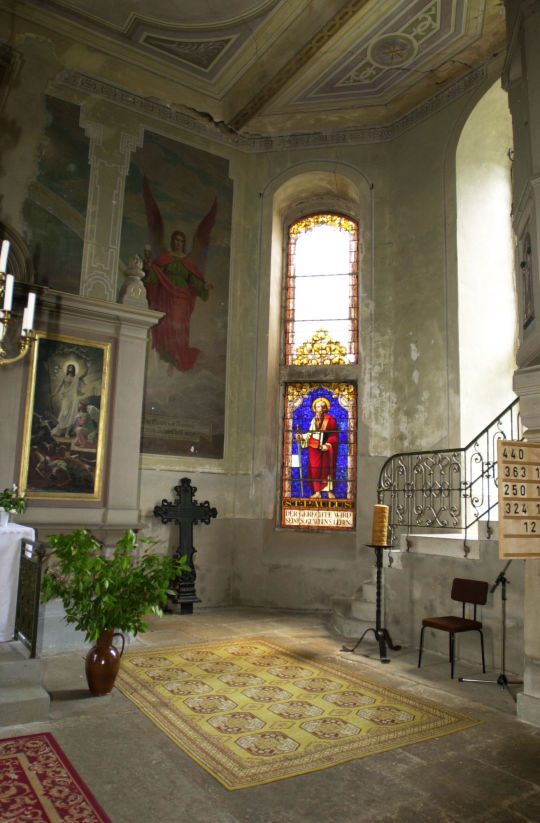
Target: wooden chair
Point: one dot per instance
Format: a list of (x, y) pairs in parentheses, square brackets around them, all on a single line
[(473, 592)]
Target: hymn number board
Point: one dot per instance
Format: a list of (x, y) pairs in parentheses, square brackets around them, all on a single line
[(519, 498)]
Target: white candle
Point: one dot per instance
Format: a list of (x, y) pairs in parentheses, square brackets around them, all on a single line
[(8, 292), (28, 314), (4, 256)]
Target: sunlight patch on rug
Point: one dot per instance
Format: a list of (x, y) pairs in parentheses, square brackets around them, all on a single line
[(38, 783), (250, 711)]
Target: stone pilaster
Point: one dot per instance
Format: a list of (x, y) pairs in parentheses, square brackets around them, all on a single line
[(522, 81), (527, 387), (111, 145)]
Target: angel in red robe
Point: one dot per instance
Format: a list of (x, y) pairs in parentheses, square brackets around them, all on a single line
[(321, 439), (173, 282)]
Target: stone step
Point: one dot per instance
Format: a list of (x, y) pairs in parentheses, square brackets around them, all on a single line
[(16, 668), (368, 591), (22, 697), (345, 623), (23, 704), (363, 609)]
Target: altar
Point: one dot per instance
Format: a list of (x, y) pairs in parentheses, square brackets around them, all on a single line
[(11, 536)]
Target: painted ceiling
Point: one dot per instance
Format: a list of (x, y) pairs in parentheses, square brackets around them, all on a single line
[(270, 67)]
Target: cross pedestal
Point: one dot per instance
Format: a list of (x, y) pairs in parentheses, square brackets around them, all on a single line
[(186, 512)]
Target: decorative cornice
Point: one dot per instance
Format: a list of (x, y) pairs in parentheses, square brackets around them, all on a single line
[(203, 125)]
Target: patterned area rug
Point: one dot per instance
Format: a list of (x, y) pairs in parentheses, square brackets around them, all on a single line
[(38, 783), (251, 712)]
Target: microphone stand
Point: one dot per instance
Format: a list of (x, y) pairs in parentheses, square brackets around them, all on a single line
[(502, 679)]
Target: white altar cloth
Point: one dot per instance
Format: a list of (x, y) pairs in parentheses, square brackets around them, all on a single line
[(10, 555)]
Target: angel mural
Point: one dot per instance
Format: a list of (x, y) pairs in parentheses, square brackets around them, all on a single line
[(173, 281)]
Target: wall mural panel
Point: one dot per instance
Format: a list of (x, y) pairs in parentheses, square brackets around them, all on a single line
[(54, 211), (177, 217)]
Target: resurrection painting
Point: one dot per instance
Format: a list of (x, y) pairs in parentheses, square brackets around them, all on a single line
[(54, 211), (66, 412), (319, 456), (177, 219)]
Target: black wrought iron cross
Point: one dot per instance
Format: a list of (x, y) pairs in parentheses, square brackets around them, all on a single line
[(186, 512)]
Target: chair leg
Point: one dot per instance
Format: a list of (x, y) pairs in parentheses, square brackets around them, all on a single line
[(421, 646), (451, 655), (482, 647)]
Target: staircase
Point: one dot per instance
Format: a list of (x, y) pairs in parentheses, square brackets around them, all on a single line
[(449, 490), (442, 524)]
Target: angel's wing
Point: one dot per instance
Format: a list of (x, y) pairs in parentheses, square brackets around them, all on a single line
[(154, 220), (201, 239)]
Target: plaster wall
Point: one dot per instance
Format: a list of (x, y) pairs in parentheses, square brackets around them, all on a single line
[(408, 600), (408, 371), (406, 376), (487, 297), (521, 79)]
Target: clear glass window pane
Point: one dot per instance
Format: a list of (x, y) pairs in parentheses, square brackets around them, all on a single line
[(321, 299)]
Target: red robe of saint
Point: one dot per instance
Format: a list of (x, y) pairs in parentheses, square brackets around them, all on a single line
[(322, 464)]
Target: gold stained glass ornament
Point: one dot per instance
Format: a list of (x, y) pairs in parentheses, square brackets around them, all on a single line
[(321, 350), (337, 220)]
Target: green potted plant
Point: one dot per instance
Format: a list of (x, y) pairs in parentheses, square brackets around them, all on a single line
[(11, 502), (107, 596)]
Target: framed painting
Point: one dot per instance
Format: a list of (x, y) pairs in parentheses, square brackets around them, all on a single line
[(65, 419)]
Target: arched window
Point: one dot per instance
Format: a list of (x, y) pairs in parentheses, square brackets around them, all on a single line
[(322, 285), (321, 332)]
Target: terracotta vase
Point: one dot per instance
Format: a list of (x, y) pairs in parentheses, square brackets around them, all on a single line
[(103, 662)]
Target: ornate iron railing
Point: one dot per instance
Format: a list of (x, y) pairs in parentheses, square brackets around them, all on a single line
[(447, 490)]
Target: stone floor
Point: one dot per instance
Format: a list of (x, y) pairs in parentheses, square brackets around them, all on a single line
[(488, 772)]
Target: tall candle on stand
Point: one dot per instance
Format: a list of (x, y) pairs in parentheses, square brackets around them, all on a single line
[(379, 535)]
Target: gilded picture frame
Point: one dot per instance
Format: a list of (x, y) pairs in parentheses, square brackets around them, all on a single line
[(65, 419)]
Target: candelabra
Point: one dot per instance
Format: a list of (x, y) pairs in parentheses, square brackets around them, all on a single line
[(27, 334)]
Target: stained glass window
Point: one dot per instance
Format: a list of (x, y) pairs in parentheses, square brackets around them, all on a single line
[(321, 313), (318, 482), (319, 456)]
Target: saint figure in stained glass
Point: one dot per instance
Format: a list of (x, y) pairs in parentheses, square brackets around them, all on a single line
[(321, 441)]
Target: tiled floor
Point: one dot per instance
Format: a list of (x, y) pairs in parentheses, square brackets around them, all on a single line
[(490, 772)]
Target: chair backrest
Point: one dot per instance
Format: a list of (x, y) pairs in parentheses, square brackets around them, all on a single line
[(469, 591)]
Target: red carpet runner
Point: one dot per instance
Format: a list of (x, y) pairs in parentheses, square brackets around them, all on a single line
[(38, 784)]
